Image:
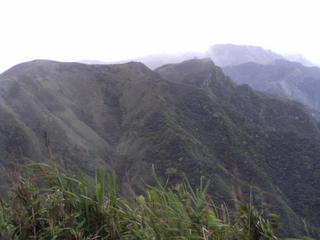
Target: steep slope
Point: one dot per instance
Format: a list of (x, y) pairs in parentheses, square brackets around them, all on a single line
[(184, 118), (70, 113), (263, 140), (283, 78)]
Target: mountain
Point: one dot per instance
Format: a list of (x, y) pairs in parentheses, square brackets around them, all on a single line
[(222, 54), (283, 78), (186, 118), (230, 54), (154, 61)]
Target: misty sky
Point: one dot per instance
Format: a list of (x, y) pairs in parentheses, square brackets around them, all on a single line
[(110, 30)]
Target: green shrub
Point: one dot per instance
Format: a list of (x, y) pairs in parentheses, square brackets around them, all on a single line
[(58, 206)]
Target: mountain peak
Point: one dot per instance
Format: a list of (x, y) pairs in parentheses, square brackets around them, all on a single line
[(138, 65), (37, 66), (200, 73), (193, 65)]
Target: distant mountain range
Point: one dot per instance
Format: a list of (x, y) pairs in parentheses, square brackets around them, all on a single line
[(282, 78), (289, 76), (221, 54), (187, 118), (230, 54)]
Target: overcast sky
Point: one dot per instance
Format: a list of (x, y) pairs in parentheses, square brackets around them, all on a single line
[(110, 30)]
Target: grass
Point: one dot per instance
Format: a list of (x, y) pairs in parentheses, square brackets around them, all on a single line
[(53, 205)]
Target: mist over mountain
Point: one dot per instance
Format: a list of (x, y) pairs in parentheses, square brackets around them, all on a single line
[(283, 78), (262, 69), (221, 54), (155, 60), (300, 59), (186, 118), (230, 54)]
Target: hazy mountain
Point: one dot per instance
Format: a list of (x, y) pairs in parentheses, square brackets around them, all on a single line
[(230, 54), (184, 118), (283, 78), (221, 54)]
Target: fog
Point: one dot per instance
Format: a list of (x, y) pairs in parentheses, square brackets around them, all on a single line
[(114, 30)]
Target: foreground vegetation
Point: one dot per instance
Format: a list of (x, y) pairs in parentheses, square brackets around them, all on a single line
[(53, 205)]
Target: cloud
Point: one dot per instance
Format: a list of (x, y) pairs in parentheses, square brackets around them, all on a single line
[(116, 29)]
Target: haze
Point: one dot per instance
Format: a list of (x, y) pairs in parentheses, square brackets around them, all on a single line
[(114, 30)]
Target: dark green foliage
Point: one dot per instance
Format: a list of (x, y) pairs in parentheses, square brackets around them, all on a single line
[(68, 207), (253, 225)]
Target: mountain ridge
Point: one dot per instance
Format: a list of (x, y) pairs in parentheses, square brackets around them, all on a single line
[(222, 54), (282, 78), (126, 118)]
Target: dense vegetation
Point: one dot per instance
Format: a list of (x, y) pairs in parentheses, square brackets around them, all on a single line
[(52, 205), (186, 118)]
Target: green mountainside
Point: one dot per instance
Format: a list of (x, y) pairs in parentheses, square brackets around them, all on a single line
[(183, 118)]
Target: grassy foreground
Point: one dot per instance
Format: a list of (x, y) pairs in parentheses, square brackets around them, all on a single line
[(56, 206)]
